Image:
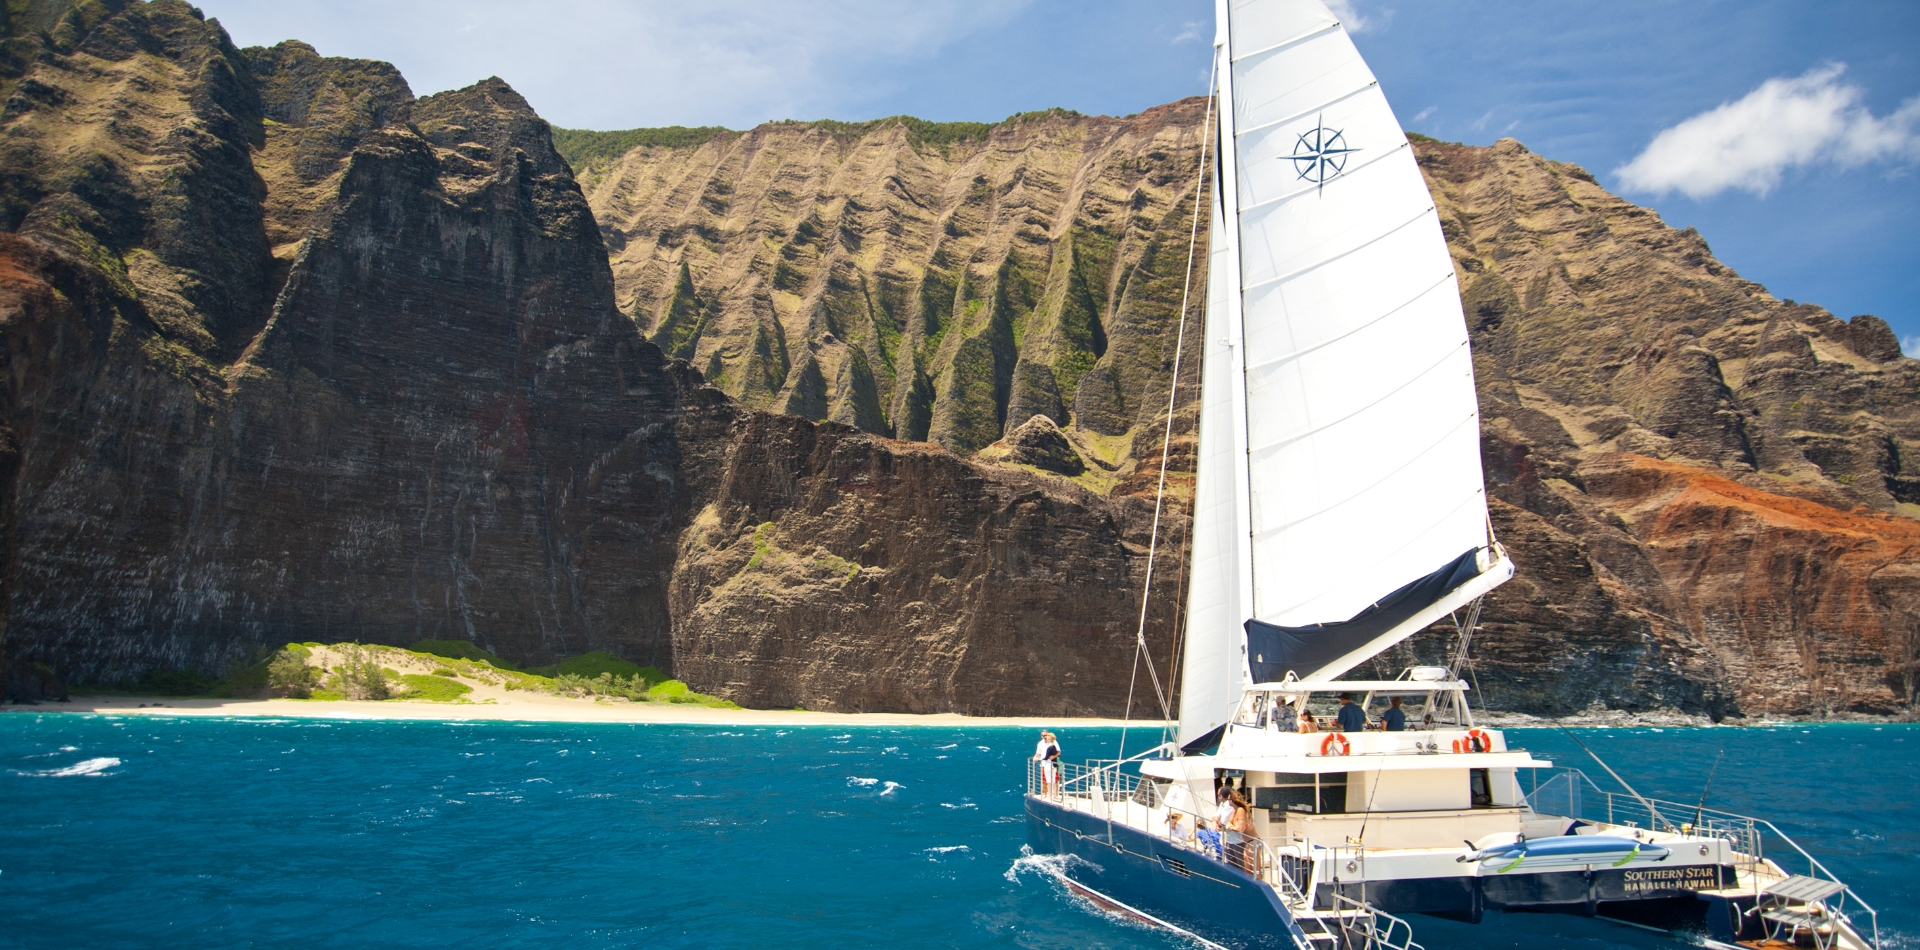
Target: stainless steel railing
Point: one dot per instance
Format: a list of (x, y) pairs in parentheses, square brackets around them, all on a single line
[(1570, 793)]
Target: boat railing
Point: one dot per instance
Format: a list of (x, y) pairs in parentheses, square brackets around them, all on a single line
[(1368, 928), (1760, 849)]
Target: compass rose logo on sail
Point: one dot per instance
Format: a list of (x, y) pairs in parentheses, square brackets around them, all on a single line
[(1321, 153)]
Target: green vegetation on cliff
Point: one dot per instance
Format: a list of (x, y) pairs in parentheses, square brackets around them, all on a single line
[(452, 669), (585, 148)]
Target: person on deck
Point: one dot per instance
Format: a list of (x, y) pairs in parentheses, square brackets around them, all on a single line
[(1223, 816), (1352, 718), (1177, 830), (1306, 721), (1395, 718), (1047, 754)]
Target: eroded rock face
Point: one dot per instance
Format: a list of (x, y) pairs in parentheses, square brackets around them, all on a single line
[(839, 570), (390, 398), (294, 355), (1732, 468), (1037, 443), (940, 283), (440, 427), (1599, 333)]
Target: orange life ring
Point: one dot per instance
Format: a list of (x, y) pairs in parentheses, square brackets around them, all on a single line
[(1474, 741), (1333, 741)]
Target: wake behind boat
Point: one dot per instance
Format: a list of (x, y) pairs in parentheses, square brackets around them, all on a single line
[(1340, 508)]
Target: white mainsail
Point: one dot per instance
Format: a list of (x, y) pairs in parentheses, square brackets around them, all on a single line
[(1340, 437)]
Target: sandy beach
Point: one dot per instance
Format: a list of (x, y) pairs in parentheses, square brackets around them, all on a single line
[(530, 708)]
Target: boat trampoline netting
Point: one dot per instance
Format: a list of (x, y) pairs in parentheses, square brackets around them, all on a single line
[(1274, 650)]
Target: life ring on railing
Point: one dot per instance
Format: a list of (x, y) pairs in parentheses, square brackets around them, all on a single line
[(1335, 744), (1474, 741)]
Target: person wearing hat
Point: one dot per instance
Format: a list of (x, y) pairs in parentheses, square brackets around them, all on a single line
[(1047, 753)]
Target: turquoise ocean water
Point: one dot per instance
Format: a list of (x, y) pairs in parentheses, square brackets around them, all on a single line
[(135, 832)]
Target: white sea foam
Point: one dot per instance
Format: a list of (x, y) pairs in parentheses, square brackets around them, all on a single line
[(983, 748), (938, 853), (858, 782), (891, 787), (1052, 866), (950, 745), (69, 748), (961, 805), (549, 782), (86, 767)]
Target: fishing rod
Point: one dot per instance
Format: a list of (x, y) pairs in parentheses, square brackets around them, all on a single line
[(1701, 808), (1653, 812)]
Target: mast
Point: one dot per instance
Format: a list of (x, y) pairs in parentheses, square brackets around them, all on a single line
[(1339, 502)]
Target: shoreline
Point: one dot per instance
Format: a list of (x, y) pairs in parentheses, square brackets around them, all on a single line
[(529, 709), (542, 708)]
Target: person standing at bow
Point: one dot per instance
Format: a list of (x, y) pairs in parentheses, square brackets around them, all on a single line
[(1047, 754)]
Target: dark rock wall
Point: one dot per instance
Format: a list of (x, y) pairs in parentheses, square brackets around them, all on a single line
[(441, 428), (294, 355)]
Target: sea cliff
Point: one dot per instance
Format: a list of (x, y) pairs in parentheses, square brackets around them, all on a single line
[(850, 416)]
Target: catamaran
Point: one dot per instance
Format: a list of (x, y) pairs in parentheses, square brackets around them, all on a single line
[(1339, 508)]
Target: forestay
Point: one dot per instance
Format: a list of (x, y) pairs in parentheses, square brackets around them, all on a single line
[(1339, 443)]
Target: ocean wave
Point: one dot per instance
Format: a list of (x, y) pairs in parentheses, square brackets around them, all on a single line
[(950, 745), (87, 767), (1052, 866), (961, 805), (936, 854), (891, 787), (859, 782)]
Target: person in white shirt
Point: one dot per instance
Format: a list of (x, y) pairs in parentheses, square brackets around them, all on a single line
[(1047, 753)]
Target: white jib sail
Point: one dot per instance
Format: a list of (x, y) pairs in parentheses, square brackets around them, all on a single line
[(1360, 434)]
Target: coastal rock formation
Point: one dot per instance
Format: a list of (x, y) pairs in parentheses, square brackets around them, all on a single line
[(838, 570), (297, 356), (294, 355), (1603, 339), (937, 282), (311, 359), (1734, 468)]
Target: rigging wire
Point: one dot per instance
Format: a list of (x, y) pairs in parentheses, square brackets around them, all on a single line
[(1166, 439)]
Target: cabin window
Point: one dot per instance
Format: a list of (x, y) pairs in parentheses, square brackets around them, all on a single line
[(1322, 794), (1480, 788)]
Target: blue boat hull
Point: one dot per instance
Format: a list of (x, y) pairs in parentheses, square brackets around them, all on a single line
[(1224, 904), (1185, 888)]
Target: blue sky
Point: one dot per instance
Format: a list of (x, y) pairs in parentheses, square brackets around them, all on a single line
[(1779, 123)]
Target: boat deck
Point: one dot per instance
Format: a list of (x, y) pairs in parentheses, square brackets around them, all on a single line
[(1821, 914)]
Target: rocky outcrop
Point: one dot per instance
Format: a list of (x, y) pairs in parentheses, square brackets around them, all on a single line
[(317, 361), (297, 356), (839, 570), (931, 282), (294, 355), (1599, 334)]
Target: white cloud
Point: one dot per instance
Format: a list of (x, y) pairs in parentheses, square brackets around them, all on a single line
[(1190, 30), (1481, 122), (1421, 116), (1356, 22), (1910, 345), (1798, 122), (621, 63)]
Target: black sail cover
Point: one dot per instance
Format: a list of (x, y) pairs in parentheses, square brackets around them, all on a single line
[(1273, 650)]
